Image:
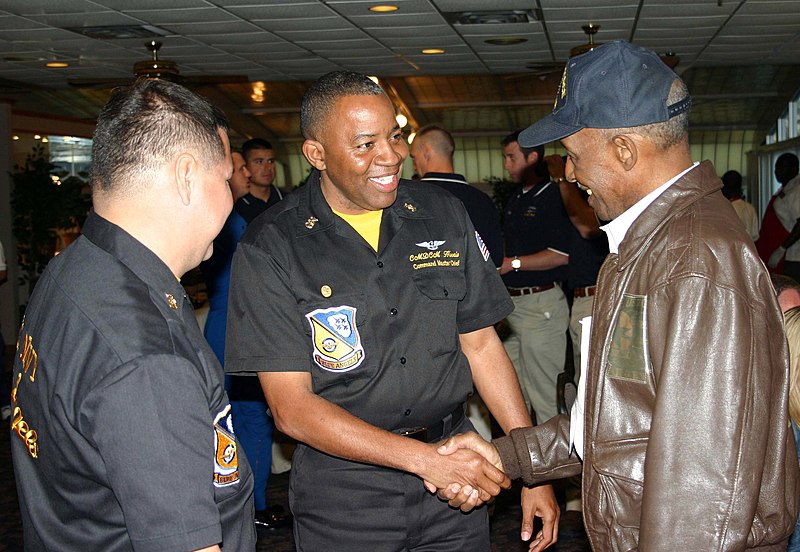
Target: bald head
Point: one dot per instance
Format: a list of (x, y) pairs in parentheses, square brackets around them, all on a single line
[(432, 150)]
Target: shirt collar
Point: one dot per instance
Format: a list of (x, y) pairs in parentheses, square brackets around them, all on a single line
[(618, 228), (315, 215), (132, 253), (446, 177)]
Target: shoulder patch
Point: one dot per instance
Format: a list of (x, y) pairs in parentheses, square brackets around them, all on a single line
[(482, 246), (628, 358), (226, 457), (337, 342)]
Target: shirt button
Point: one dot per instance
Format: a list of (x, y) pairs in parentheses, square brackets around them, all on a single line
[(380, 264), (402, 360), (445, 292), (393, 312), (408, 412)]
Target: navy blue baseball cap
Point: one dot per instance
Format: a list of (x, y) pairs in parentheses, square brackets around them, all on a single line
[(616, 85)]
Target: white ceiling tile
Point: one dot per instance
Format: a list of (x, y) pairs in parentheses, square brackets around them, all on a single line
[(126, 5), (19, 23), (193, 15), (96, 19), (39, 7), (199, 29), (307, 24), (398, 20), (481, 5), (284, 11), (441, 42), (301, 37), (324, 47), (415, 33)]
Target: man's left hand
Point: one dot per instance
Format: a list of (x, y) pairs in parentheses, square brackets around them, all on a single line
[(540, 501)]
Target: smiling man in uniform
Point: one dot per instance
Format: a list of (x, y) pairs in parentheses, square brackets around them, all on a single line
[(371, 322)]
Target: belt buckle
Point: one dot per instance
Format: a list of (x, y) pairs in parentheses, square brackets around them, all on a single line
[(418, 433)]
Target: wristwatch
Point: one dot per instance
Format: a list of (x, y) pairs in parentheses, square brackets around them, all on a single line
[(516, 264)]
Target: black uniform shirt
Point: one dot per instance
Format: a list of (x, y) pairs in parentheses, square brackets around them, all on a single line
[(133, 445), (378, 331), (250, 206), (535, 221), (479, 206), (585, 259)]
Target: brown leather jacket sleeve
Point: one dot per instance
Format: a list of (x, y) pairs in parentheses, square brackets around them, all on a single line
[(540, 453)]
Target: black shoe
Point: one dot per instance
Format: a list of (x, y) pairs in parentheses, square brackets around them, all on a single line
[(271, 519)]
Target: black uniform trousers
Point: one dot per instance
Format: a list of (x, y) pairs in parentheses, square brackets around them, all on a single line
[(343, 506)]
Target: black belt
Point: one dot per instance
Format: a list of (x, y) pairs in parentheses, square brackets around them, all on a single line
[(438, 430), (516, 292)]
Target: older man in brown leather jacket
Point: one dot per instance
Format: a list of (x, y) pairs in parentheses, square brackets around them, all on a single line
[(681, 420)]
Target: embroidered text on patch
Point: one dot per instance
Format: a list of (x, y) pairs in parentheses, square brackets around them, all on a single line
[(337, 342)]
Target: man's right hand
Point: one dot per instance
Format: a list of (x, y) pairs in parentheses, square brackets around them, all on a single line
[(457, 494), (463, 476)]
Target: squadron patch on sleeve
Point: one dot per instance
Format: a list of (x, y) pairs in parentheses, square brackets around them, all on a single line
[(482, 246), (226, 458), (337, 343), (627, 355)]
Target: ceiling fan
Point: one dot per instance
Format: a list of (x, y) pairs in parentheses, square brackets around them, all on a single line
[(157, 68), (542, 69)]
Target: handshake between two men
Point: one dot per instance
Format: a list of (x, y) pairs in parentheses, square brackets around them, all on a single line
[(482, 476), (479, 487)]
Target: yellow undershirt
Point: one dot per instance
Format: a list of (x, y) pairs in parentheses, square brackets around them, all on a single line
[(368, 225)]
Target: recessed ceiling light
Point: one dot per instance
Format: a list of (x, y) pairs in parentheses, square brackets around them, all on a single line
[(57, 64), (506, 40), (432, 51), (383, 8), (374, 79)]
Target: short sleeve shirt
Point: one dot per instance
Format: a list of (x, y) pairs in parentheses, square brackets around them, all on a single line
[(378, 331), (134, 447), (534, 221)]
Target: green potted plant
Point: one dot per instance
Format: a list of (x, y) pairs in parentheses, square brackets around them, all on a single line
[(43, 206)]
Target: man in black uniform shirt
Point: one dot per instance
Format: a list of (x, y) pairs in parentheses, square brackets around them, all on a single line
[(122, 436), (432, 152), (537, 233), (259, 158), (373, 317)]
